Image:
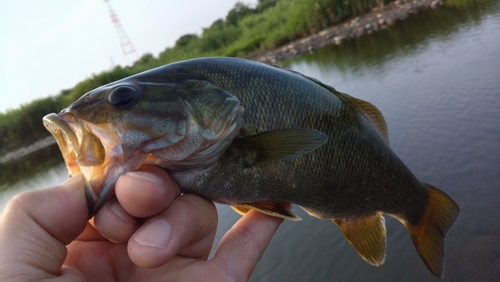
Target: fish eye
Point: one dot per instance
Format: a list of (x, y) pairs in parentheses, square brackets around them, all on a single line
[(123, 97)]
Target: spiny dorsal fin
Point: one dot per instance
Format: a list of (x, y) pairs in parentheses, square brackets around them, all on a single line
[(282, 210), (367, 235), (373, 114), (278, 145)]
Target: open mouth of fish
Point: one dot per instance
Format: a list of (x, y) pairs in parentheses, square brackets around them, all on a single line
[(94, 157)]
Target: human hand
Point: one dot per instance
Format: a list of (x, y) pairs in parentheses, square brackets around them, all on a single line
[(148, 233)]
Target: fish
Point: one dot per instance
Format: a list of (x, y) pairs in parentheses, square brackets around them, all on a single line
[(255, 136)]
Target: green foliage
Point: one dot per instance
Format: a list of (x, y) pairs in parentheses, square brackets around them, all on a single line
[(185, 40), (265, 4), (239, 12), (244, 30), (219, 35), (23, 126)]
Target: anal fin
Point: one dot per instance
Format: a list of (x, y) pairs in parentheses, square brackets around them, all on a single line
[(282, 210), (367, 235)]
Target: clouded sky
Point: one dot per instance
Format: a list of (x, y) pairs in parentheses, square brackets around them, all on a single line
[(47, 46)]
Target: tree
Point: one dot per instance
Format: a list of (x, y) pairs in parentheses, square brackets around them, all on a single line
[(237, 13)]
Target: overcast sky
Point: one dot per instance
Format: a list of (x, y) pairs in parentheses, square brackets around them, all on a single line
[(47, 46)]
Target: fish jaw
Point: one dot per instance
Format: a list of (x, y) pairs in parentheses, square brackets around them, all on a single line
[(94, 151), (66, 139)]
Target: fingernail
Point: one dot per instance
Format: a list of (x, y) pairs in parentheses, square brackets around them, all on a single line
[(156, 234), (145, 176)]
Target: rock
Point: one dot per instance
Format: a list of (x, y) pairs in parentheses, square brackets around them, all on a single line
[(323, 33), (435, 4), (338, 39)]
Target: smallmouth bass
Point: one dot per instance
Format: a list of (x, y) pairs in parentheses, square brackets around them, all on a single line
[(255, 136)]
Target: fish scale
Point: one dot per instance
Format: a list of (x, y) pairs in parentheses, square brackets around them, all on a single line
[(259, 137)]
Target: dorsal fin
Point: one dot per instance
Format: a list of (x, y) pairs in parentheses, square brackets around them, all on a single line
[(373, 114)]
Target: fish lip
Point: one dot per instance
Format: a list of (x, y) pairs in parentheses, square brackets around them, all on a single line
[(56, 125), (59, 126)]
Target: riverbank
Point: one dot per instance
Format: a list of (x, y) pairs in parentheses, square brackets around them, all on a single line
[(21, 152), (377, 19)]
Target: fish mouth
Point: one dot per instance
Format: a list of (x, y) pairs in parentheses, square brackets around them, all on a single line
[(66, 139), (84, 153)]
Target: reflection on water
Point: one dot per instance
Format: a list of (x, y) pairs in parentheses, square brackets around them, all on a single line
[(29, 166), (436, 79), (51, 176)]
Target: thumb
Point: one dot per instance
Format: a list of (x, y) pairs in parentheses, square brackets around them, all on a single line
[(35, 228)]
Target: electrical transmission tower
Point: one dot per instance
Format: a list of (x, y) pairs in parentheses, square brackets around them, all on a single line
[(125, 43)]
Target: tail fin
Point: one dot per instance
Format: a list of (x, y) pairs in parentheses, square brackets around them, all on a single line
[(428, 235)]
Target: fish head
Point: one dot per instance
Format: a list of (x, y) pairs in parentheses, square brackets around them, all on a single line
[(118, 127)]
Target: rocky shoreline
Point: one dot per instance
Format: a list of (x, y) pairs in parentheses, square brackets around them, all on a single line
[(376, 19), (21, 152)]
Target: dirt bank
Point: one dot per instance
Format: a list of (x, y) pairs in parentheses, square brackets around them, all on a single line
[(376, 19)]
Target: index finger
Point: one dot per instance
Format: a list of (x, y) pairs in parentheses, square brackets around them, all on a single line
[(146, 192), (244, 244)]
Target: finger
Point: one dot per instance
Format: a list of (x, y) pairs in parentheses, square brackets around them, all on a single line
[(35, 228), (146, 192), (186, 228), (114, 223), (141, 193), (243, 245)]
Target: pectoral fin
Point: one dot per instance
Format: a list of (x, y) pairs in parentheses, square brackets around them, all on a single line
[(367, 235), (275, 209), (278, 145)]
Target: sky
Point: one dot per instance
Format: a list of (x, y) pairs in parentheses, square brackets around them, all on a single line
[(47, 46)]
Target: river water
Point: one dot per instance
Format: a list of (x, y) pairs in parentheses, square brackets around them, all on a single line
[(436, 78)]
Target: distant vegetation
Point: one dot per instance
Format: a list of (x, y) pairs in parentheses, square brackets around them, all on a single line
[(244, 31)]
